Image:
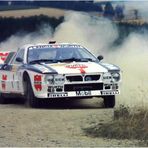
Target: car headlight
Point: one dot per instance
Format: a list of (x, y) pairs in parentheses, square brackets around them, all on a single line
[(59, 79), (49, 79), (55, 79), (116, 76), (107, 76)]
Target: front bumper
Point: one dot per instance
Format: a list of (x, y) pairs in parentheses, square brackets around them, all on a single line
[(79, 94), (78, 91)]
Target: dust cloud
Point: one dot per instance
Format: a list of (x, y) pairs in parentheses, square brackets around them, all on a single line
[(98, 34), (92, 32), (132, 57), (43, 35)]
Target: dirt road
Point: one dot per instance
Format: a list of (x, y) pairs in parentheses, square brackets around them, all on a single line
[(58, 124)]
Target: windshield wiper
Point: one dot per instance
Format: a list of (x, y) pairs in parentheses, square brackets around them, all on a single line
[(87, 59), (69, 60), (42, 60), (76, 59)]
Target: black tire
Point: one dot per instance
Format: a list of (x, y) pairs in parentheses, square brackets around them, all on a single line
[(3, 100), (109, 101), (31, 100)]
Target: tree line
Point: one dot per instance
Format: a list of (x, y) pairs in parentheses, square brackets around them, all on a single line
[(11, 25)]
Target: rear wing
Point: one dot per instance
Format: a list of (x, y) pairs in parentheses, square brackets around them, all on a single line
[(5, 56)]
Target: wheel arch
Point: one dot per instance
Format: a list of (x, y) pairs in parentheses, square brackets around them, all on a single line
[(25, 76), (31, 99)]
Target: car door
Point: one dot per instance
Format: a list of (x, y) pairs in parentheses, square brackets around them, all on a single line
[(14, 73), (5, 84)]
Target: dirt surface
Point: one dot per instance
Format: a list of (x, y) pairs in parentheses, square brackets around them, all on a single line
[(56, 124)]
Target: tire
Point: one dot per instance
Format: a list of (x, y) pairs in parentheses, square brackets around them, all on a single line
[(109, 101), (31, 100), (3, 100)]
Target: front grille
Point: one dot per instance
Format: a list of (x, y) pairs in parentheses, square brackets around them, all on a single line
[(79, 78), (92, 77), (74, 78), (83, 87)]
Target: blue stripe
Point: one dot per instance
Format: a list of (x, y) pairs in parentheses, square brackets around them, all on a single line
[(32, 68), (49, 68), (110, 70)]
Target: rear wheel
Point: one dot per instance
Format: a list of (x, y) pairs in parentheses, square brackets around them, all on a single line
[(31, 100), (3, 100), (109, 101)]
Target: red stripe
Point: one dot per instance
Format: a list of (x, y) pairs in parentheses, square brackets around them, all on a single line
[(82, 70)]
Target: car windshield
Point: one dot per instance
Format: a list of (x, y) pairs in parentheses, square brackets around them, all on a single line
[(59, 54)]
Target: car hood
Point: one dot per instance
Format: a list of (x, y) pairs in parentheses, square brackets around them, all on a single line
[(75, 67)]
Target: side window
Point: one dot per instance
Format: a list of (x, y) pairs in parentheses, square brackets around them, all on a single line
[(20, 54)]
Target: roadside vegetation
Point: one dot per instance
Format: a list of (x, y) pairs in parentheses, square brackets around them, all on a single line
[(127, 124), (10, 25)]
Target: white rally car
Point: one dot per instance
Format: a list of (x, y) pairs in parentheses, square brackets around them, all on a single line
[(57, 70)]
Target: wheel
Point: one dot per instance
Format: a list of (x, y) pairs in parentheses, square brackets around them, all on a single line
[(31, 100), (3, 100), (109, 101)]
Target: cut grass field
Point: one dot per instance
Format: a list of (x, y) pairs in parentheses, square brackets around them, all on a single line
[(51, 12)]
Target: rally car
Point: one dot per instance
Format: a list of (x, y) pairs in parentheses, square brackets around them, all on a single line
[(57, 70)]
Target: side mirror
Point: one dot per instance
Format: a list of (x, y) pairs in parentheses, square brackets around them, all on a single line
[(100, 57), (4, 66), (18, 59)]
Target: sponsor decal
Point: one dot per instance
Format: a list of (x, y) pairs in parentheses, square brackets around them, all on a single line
[(83, 93), (56, 95), (109, 92), (3, 56), (38, 82), (4, 79), (80, 67), (56, 46)]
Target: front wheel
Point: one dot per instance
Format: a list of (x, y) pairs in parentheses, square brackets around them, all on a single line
[(109, 101), (31, 100)]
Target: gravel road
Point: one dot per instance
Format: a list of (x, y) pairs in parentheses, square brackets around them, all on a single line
[(58, 124)]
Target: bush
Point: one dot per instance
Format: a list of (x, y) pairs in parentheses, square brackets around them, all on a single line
[(125, 125)]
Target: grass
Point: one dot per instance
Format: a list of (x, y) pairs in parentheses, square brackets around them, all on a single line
[(126, 124)]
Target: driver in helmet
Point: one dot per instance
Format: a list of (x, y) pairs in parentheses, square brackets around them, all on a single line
[(66, 53)]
